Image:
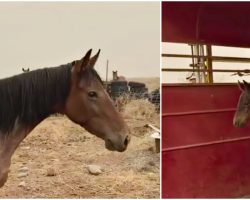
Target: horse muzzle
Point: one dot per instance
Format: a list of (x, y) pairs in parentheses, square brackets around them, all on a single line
[(239, 122), (119, 146)]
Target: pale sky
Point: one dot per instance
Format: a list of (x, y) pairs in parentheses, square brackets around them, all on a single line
[(180, 77), (48, 34)]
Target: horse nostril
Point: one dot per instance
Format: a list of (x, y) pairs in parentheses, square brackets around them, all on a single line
[(126, 141)]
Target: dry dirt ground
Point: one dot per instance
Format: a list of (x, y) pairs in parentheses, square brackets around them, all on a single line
[(66, 149)]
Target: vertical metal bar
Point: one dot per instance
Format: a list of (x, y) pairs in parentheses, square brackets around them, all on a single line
[(198, 62), (107, 69), (209, 63), (203, 65), (192, 50)]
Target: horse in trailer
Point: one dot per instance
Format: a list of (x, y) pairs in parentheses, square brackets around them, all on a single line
[(74, 89), (242, 114)]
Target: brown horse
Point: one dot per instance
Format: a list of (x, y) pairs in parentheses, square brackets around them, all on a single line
[(74, 89), (118, 78), (242, 115)]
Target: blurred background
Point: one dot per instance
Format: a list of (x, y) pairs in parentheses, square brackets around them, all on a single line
[(45, 34)]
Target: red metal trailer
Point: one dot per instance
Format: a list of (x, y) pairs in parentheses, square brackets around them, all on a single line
[(203, 154)]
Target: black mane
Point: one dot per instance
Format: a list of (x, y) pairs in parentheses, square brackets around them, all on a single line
[(30, 96)]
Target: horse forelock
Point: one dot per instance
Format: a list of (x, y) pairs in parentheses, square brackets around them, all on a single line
[(30, 97)]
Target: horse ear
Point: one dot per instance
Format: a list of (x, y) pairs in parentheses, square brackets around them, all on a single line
[(241, 86), (82, 64), (93, 60), (246, 86), (73, 63)]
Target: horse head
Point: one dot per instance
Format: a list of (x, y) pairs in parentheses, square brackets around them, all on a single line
[(242, 115), (90, 106)]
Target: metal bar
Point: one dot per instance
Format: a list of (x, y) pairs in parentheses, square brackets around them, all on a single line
[(196, 85), (205, 144), (195, 112), (205, 70), (203, 64), (197, 62), (192, 51), (209, 63), (107, 70), (214, 58)]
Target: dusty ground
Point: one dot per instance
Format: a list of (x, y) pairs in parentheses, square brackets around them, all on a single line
[(60, 145)]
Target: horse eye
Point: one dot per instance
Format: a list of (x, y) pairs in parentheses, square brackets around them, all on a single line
[(92, 94)]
